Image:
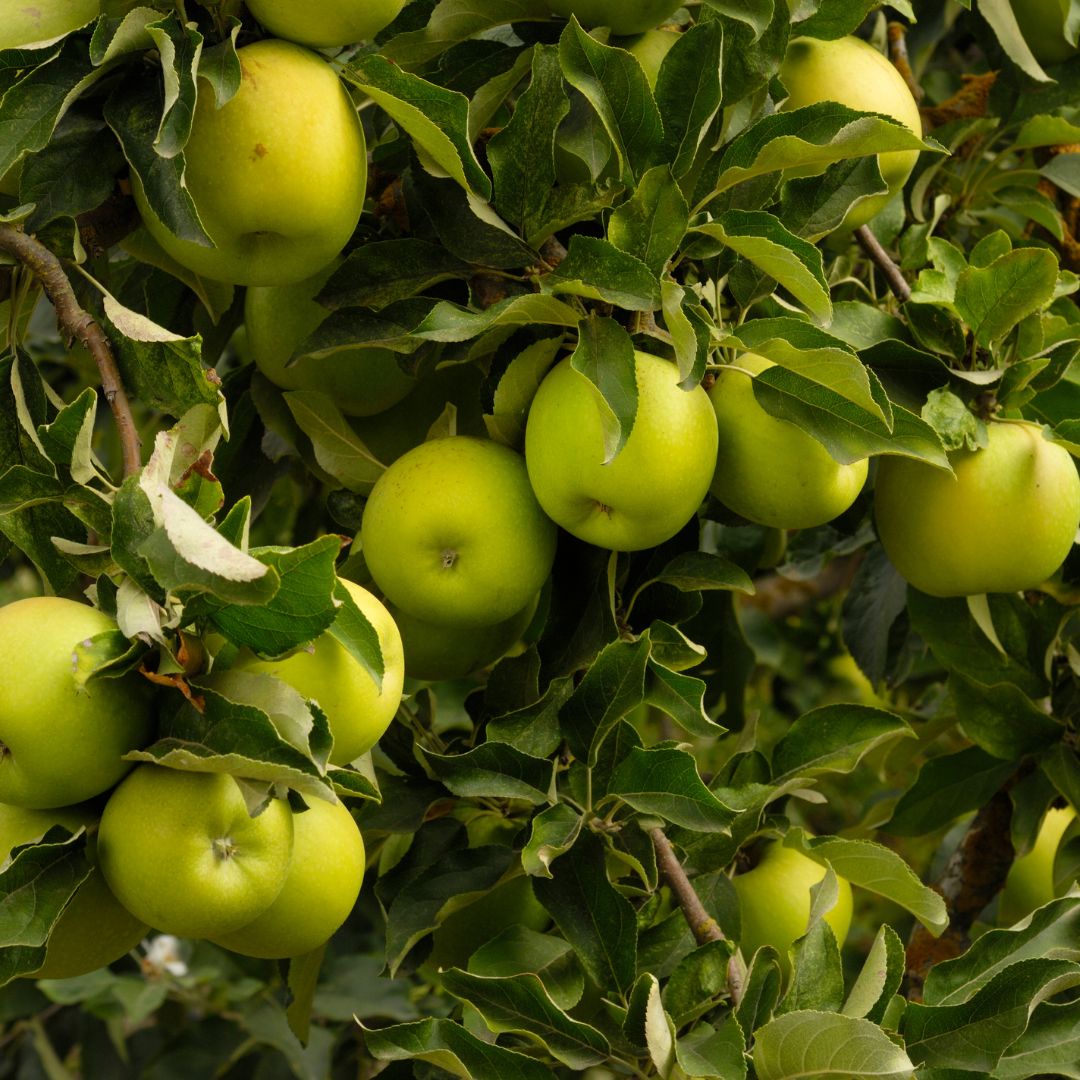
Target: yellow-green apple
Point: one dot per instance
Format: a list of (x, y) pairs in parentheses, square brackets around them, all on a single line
[(1042, 24), (434, 651), (656, 482), (357, 709), (361, 380), (769, 470), (39, 23), (453, 534), (623, 16), (649, 48), (327, 25), (320, 889), (95, 928), (1030, 882), (1004, 522), (774, 901), (61, 743), (855, 74), (277, 175), (181, 852)]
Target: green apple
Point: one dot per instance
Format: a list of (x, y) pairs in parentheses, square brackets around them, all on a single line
[(326, 25), (623, 16), (277, 175), (855, 74), (1030, 882), (41, 22), (653, 486), (95, 928), (61, 744), (774, 901), (357, 710), (320, 889), (181, 852), (1042, 24), (1003, 523), (650, 48), (435, 652), (453, 534), (361, 380), (769, 470)]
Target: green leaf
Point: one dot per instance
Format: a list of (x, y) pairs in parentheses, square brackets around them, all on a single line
[(652, 223), (612, 687), (516, 387), (520, 951), (880, 978), (999, 14), (452, 21), (877, 868), (817, 980), (179, 48), (819, 1044), (973, 1035), (436, 119), (451, 1048), (956, 425), (496, 771), (552, 833), (302, 980), (713, 1052), (680, 696), (220, 66), (946, 787), (521, 1005), (522, 153), (598, 270), (338, 450), (698, 982), (1049, 1046), (691, 329), (616, 87), (835, 18), (816, 206), (605, 356), (665, 782), (381, 272), (810, 140), (450, 322), (795, 263), (1002, 719), (992, 300), (299, 611), (688, 93), (591, 914), (834, 738)]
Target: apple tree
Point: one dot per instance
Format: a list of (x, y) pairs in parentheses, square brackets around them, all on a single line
[(687, 779)]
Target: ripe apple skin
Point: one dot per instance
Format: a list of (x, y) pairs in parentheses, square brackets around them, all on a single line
[(769, 470), (1004, 523), (32, 24), (623, 16), (1042, 24), (95, 928), (652, 487), (323, 882), (774, 901), (650, 48), (452, 533), (62, 745), (435, 652), (362, 381), (1030, 882), (357, 711), (180, 851), (278, 175), (850, 71), (329, 24)]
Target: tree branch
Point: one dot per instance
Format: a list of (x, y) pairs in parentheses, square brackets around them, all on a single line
[(898, 54), (883, 260), (701, 923), (78, 324)]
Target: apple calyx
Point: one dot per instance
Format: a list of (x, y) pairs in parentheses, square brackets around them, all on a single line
[(224, 848), (449, 557)]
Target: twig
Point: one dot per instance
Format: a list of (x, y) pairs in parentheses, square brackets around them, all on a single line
[(898, 54), (972, 878), (78, 323), (702, 925), (883, 260)]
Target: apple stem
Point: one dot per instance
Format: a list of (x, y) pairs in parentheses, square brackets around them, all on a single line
[(78, 324), (701, 923), (883, 260)]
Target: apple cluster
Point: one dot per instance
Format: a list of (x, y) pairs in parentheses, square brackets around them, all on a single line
[(169, 849)]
